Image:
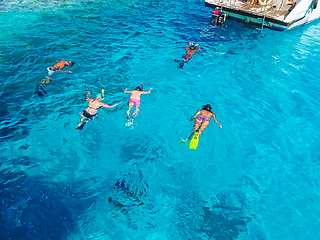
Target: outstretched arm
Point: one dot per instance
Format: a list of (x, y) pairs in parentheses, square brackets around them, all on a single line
[(186, 47), (197, 45), (107, 106), (197, 113), (214, 117), (88, 99), (147, 92), (88, 93), (125, 91)]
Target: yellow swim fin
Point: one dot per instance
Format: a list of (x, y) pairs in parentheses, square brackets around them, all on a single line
[(194, 141)]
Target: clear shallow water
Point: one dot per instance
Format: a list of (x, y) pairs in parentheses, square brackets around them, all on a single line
[(257, 178)]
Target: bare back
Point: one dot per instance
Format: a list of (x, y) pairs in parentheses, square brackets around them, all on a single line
[(59, 65), (93, 106), (206, 114), (135, 94)]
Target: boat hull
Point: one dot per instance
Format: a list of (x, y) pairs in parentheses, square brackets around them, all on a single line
[(258, 19)]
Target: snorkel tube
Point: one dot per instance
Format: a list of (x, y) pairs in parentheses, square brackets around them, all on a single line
[(141, 86)]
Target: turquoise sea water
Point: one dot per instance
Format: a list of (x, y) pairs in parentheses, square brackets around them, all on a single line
[(256, 178)]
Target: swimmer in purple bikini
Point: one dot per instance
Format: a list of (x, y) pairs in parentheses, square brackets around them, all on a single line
[(203, 120), (189, 53), (135, 100)]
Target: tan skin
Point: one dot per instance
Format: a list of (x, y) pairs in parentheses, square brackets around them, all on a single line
[(56, 67), (252, 2), (191, 50), (93, 106), (135, 94), (203, 125), (60, 65)]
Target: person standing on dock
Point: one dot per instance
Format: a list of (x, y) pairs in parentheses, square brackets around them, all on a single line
[(191, 49)]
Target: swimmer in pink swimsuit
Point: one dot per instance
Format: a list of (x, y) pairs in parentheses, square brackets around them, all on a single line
[(203, 120), (135, 100)]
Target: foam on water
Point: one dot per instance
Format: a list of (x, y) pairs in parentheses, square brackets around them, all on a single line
[(256, 178)]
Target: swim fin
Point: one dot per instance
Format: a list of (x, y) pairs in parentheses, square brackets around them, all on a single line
[(81, 125), (194, 141), (130, 121), (185, 141)]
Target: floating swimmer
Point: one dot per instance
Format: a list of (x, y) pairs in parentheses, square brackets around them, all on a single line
[(56, 67), (201, 122), (93, 106), (189, 53), (135, 100)]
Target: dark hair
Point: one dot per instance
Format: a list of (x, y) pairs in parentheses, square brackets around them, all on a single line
[(207, 107), (71, 63), (138, 88), (192, 47)]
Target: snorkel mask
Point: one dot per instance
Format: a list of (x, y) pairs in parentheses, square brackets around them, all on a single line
[(101, 95)]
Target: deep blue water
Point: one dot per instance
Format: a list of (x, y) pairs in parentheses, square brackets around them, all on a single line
[(256, 178)]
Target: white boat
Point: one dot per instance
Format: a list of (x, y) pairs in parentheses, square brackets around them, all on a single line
[(278, 15)]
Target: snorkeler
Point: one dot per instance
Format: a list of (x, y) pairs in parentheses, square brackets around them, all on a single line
[(189, 53), (56, 67), (135, 100), (93, 106), (203, 120)]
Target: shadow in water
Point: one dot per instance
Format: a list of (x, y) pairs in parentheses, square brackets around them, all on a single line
[(129, 191), (132, 208), (219, 220), (11, 126), (32, 209)]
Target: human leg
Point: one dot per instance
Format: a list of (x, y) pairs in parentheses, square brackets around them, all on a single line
[(196, 125), (129, 108), (46, 80), (135, 113), (83, 121), (181, 63), (203, 126)]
